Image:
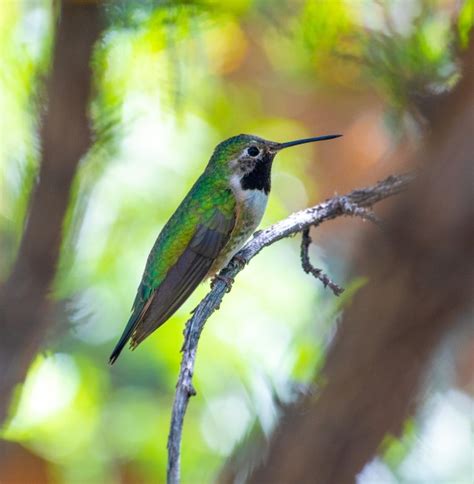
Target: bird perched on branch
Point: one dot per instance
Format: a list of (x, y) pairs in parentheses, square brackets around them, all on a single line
[(220, 212)]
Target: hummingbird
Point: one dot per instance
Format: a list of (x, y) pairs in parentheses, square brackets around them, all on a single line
[(218, 215)]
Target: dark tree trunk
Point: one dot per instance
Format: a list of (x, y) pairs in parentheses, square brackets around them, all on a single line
[(24, 304), (421, 276)]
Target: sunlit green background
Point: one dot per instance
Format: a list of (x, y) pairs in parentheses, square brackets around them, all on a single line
[(171, 81)]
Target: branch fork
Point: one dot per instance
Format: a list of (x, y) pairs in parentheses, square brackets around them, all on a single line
[(357, 203)]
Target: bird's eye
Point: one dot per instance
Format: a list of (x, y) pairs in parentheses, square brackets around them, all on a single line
[(253, 151)]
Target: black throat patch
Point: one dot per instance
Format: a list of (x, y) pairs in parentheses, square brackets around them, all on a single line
[(260, 177)]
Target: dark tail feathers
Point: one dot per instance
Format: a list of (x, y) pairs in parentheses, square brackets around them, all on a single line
[(125, 337), (118, 348)]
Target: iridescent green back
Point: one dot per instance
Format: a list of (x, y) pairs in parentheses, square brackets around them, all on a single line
[(210, 191)]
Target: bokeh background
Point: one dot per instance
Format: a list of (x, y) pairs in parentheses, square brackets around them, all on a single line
[(171, 80)]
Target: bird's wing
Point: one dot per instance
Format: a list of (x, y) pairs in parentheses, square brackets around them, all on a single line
[(180, 281)]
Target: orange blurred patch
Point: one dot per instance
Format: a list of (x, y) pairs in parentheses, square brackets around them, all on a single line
[(226, 48), (21, 466), (367, 139)]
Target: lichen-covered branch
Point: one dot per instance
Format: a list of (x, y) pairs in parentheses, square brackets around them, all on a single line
[(310, 269), (355, 203)]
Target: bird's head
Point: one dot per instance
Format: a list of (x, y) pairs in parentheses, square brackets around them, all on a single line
[(248, 159)]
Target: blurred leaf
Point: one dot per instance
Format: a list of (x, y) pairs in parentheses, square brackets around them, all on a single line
[(466, 21)]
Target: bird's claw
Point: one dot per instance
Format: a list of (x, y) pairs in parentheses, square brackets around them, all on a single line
[(240, 260)]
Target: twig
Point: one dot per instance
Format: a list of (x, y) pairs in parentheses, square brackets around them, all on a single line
[(365, 213), (297, 222), (310, 269)]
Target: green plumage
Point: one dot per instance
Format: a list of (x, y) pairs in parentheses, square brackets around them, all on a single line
[(211, 192), (207, 194)]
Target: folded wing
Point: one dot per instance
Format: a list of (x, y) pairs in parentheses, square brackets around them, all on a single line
[(190, 269)]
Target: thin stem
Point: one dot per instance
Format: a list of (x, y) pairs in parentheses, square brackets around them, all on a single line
[(310, 269)]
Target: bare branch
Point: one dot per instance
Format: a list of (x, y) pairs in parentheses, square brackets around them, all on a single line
[(298, 222), (310, 269), (364, 213)]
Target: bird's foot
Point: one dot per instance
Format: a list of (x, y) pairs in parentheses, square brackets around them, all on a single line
[(240, 260), (228, 281)]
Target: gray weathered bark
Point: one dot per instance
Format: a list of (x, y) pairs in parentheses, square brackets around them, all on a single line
[(355, 203)]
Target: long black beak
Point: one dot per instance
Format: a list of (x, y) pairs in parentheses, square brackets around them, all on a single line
[(280, 146)]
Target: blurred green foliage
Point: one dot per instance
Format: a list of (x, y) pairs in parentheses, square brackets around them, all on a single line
[(173, 79)]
